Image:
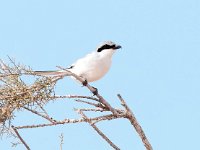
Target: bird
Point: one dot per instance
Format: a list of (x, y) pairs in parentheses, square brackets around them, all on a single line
[(93, 66)]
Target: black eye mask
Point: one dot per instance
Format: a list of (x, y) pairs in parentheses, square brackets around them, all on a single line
[(105, 47)]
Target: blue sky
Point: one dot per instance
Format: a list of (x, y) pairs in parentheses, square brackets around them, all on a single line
[(157, 71)]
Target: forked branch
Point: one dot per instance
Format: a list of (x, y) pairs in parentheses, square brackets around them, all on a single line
[(15, 94)]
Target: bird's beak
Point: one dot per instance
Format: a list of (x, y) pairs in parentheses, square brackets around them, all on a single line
[(117, 47)]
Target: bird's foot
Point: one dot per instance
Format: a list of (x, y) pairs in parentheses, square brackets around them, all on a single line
[(85, 82), (95, 91)]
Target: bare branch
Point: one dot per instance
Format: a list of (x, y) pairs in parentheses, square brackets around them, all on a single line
[(67, 121), (16, 94), (41, 107), (89, 103), (39, 114), (21, 139), (99, 131), (61, 141), (74, 96), (92, 89), (93, 109), (134, 122)]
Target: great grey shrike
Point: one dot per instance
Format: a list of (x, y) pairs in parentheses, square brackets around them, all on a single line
[(93, 66)]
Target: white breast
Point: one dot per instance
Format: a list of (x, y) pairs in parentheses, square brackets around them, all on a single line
[(92, 67)]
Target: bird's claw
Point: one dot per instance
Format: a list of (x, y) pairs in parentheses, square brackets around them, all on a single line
[(95, 91), (85, 82)]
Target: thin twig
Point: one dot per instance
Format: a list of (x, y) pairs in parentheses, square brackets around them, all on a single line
[(89, 103), (130, 116), (93, 109), (39, 114), (99, 131), (61, 141), (44, 111), (21, 139), (74, 96), (68, 121)]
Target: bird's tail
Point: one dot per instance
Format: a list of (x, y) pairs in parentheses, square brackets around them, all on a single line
[(50, 73)]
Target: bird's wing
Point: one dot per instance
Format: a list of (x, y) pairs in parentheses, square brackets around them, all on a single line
[(85, 60)]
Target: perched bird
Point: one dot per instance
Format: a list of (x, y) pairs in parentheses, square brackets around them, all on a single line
[(93, 66)]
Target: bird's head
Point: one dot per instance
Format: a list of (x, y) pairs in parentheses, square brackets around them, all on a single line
[(107, 45)]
